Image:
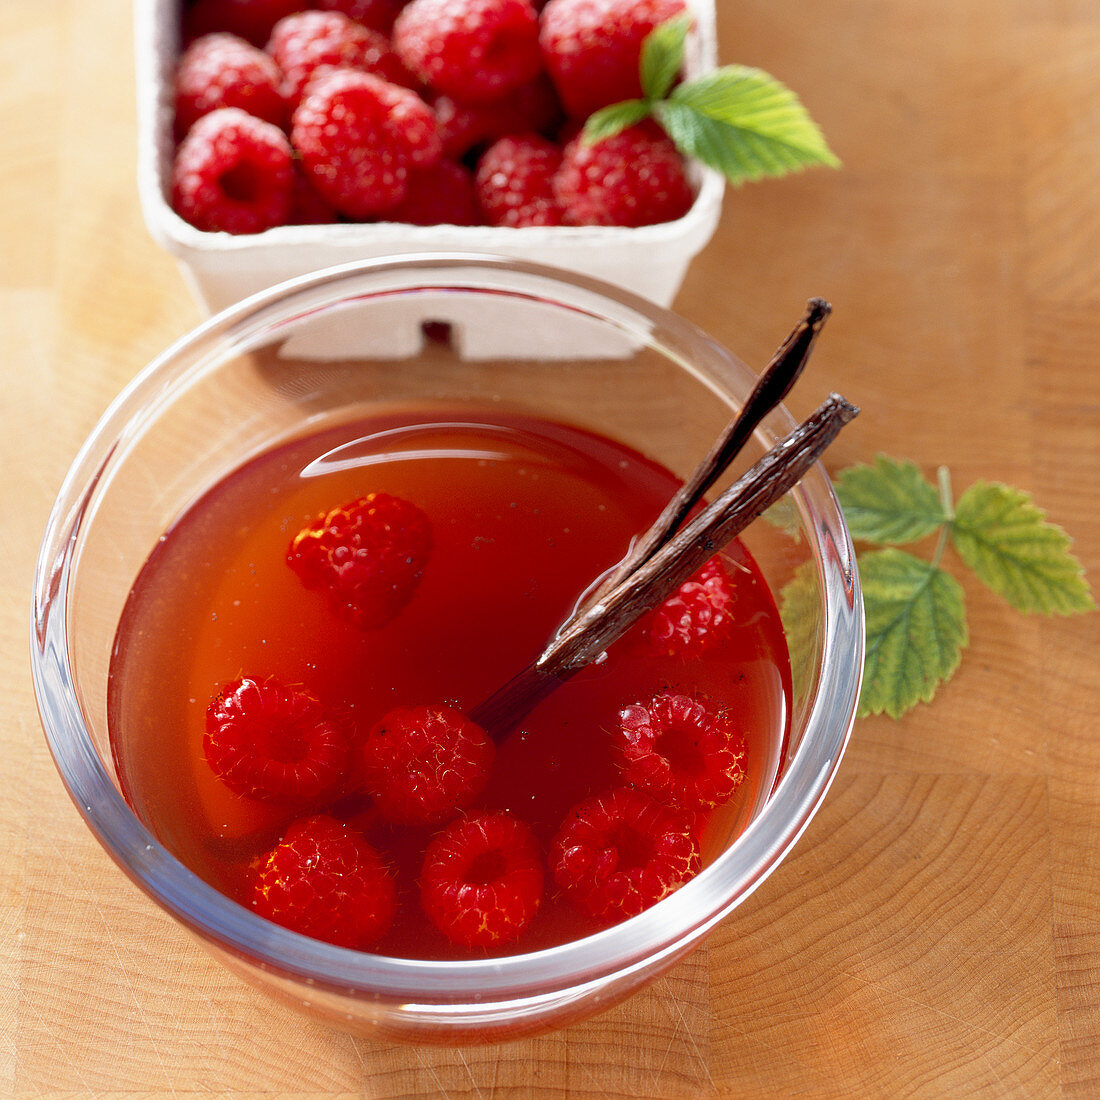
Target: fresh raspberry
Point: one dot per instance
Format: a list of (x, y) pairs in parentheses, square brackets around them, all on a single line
[(309, 42), (222, 70), (324, 880), (251, 20), (376, 15), (482, 880), (515, 181), (618, 853), (423, 764), (530, 108), (474, 50), (358, 136), (696, 616), (681, 751), (367, 555), (233, 173), (266, 740), (634, 178), (592, 48), (440, 195), (306, 206)]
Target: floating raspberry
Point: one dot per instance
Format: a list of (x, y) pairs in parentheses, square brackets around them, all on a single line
[(515, 181), (309, 42), (474, 50), (266, 740), (592, 48), (324, 880), (482, 880), (222, 70), (618, 853), (358, 136), (423, 764), (377, 15), (440, 195), (681, 751), (367, 555), (251, 20), (531, 108), (634, 178), (696, 616), (233, 173)]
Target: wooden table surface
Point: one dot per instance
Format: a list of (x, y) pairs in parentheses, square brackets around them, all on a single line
[(937, 930)]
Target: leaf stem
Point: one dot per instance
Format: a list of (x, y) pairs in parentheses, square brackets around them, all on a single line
[(947, 497), (947, 501)]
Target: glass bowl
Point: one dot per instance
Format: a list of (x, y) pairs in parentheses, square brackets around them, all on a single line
[(455, 328)]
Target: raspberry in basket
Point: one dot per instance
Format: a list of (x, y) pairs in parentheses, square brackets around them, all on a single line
[(530, 108), (307, 42), (306, 206), (358, 136), (233, 173), (515, 181), (222, 70), (634, 178), (474, 50), (592, 48), (442, 194)]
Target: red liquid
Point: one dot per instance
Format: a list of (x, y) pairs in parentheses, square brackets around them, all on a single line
[(525, 514)]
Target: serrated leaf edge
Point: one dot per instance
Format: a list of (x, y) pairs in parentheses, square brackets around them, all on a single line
[(779, 104), (1067, 593), (921, 523), (892, 708)]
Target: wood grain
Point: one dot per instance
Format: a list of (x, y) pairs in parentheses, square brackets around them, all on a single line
[(937, 930)]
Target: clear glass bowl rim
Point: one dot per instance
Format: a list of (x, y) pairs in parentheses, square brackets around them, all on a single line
[(662, 932)]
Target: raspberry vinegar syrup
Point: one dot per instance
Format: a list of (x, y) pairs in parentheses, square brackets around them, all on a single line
[(525, 514)]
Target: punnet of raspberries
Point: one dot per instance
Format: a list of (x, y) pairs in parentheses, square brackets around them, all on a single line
[(461, 112)]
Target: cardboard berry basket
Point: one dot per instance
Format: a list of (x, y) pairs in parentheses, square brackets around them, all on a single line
[(222, 269)]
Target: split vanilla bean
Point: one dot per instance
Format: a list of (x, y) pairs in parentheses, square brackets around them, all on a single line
[(589, 632), (772, 386)]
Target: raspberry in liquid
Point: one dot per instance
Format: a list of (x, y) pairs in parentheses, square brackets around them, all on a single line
[(525, 514)]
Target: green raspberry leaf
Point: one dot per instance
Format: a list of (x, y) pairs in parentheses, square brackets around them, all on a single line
[(916, 629), (889, 502), (744, 123), (608, 121), (1008, 543), (662, 56)]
